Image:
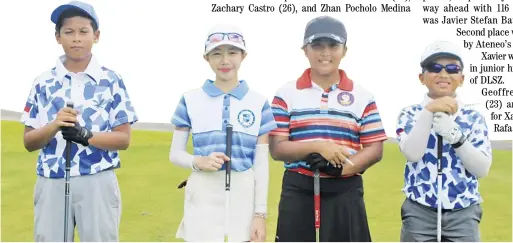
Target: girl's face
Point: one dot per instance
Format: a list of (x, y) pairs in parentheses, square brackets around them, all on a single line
[(225, 61)]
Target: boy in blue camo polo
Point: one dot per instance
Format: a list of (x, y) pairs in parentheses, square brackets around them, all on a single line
[(99, 126), (466, 154)]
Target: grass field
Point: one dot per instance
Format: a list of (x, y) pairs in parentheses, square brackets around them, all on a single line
[(152, 205)]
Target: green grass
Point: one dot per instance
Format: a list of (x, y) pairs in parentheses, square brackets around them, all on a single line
[(152, 205)]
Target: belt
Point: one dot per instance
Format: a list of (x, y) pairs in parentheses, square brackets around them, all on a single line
[(308, 172)]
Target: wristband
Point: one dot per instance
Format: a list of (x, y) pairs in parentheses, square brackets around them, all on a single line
[(460, 142)]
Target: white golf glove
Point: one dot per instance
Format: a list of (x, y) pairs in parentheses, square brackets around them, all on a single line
[(445, 126)]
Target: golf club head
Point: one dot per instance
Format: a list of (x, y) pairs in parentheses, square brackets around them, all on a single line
[(182, 185)]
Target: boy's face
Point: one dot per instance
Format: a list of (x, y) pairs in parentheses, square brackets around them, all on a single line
[(77, 37), (225, 61), (325, 55), (442, 83)]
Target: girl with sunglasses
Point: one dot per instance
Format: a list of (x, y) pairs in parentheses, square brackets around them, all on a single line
[(206, 113), (465, 155)]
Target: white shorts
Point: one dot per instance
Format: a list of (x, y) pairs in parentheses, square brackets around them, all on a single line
[(204, 207)]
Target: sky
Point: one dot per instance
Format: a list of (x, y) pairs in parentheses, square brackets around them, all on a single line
[(157, 48)]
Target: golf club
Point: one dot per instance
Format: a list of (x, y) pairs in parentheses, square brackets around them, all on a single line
[(439, 181), (229, 132), (317, 204), (66, 187)]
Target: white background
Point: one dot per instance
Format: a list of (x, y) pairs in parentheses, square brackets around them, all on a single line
[(157, 47)]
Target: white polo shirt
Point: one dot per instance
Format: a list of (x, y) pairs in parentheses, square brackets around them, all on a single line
[(100, 97), (207, 111)]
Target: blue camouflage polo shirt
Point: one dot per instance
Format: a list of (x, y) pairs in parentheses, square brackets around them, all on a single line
[(101, 99)]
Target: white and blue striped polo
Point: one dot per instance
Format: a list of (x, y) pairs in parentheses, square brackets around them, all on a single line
[(207, 111), (100, 97)]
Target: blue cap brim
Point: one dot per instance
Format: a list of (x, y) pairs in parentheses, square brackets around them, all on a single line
[(56, 14)]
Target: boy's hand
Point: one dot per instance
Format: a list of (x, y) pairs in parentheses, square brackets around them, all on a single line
[(334, 153), (316, 161), (445, 104), (212, 162), (77, 134), (67, 117), (446, 127)]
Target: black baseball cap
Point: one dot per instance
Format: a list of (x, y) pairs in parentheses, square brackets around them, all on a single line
[(325, 27)]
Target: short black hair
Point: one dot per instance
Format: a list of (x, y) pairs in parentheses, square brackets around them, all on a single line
[(74, 13)]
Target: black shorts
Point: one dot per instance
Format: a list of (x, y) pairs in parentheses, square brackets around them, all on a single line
[(343, 214)]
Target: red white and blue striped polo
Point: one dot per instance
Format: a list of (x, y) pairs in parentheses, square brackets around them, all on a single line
[(345, 113)]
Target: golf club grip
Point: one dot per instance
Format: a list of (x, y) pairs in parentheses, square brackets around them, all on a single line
[(439, 153), (229, 135), (317, 200), (69, 104)]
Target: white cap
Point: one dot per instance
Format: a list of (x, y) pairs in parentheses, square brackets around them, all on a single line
[(439, 49), (226, 29)]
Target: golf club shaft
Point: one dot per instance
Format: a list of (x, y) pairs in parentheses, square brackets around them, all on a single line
[(66, 186), (317, 204), (66, 191), (229, 134), (439, 186)]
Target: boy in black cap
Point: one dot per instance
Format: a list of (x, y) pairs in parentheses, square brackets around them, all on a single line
[(325, 113), (98, 126)]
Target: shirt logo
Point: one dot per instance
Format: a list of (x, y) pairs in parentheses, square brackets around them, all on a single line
[(246, 118), (345, 98)]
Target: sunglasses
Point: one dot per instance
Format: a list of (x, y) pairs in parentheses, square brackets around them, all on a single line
[(437, 68), (217, 37)]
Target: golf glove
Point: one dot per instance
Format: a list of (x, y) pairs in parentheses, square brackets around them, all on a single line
[(77, 134), (446, 127), (316, 161)]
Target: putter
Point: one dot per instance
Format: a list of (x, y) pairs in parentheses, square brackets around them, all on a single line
[(66, 187), (439, 182), (229, 133), (317, 204)]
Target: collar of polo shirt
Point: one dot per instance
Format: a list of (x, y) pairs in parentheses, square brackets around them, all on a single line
[(305, 82), (94, 69), (239, 92)]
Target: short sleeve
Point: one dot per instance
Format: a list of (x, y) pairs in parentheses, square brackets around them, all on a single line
[(181, 117), (479, 135), (30, 114), (268, 123), (122, 109), (404, 123), (281, 116), (371, 127)]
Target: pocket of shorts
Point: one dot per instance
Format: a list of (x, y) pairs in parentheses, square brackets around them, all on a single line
[(479, 212), (113, 189), (38, 190), (403, 210)]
